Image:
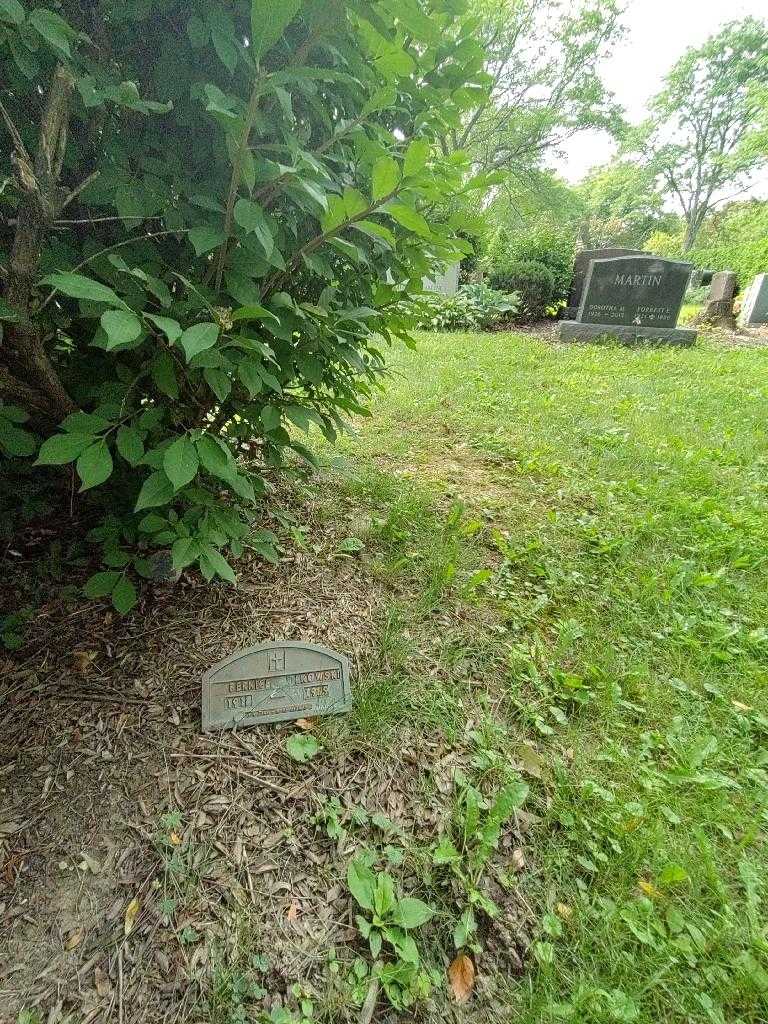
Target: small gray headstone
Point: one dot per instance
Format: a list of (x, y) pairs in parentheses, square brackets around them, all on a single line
[(275, 682), (754, 308), (718, 310), (723, 286)]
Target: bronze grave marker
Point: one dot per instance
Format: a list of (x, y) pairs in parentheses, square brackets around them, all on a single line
[(275, 682)]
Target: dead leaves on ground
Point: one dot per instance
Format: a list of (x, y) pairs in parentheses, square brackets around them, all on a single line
[(461, 976), (131, 913)]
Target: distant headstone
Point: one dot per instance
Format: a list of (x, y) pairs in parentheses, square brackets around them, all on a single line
[(719, 307), (754, 308), (580, 268), (275, 682), (446, 284), (632, 298)]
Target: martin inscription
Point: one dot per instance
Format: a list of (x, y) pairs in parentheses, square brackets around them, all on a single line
[(275, 683)]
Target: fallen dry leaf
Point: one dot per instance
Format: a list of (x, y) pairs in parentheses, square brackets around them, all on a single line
[(74, 938), (175, 839), (293, 911), (518, 859), (82, 661), (131, 913), (103, 984), (461, 975), (306, 724), (564, 911), (648, 888)]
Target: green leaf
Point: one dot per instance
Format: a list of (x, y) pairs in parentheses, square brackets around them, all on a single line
[(198, 338), (355, 203), (672, 873), (219, 383), (164, 374), (465, 928), (205, 238), (180, 462), (335, 215), (62, 448), (408, 218), (416, 157), (54, 30), (152, 523), (384, 177), (94, 466), (621, 1006), (124, 595), (250, 217), (270, 417), (395, 63), (184, 551), (130, 445), (171, 328), (412, 913), (216, 562), (79, 287), (302, 747), (120, 326), (361, 882), (216, 458), (11, 11), (101, 584), (269, 19), (253, 313), (157, 489), (445, 852)]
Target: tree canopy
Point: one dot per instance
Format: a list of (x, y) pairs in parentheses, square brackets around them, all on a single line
[(543, 58), (697, 140)]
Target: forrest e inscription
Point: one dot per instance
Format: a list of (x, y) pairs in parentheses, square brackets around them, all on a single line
[(275, 682)]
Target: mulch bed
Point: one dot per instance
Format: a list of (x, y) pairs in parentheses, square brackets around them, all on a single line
[(112, 802)]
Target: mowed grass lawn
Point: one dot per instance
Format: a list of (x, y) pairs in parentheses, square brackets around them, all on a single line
[(577, 538)]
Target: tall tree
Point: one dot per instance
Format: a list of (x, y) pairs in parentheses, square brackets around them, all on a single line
[(543, 58), (621, 206), (697, 137)]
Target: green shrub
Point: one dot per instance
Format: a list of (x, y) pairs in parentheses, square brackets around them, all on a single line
[(474, 307), (532, 282), (204, 242), (550, 246)]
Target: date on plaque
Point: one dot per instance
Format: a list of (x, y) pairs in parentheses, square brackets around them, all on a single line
[(275, 682)]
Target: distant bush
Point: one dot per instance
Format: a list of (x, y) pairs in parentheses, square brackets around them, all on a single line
[(474, 307), (533, 283), (550, 246)]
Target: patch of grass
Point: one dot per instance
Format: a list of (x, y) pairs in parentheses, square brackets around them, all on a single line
[(577, 539)]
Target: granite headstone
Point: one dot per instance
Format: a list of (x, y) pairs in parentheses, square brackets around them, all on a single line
[(632, 298), (719, 306), (275, 682), (580, 268), (754, 308)]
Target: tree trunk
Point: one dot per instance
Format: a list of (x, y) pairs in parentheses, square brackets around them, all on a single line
[(27, 373)]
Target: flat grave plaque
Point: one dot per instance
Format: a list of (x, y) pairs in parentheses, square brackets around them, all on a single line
[(275, 682)]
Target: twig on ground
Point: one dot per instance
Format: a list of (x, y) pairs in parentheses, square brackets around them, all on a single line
[(370, 1001)]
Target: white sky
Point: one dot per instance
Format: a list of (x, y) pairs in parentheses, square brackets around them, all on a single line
[(658, 31)]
